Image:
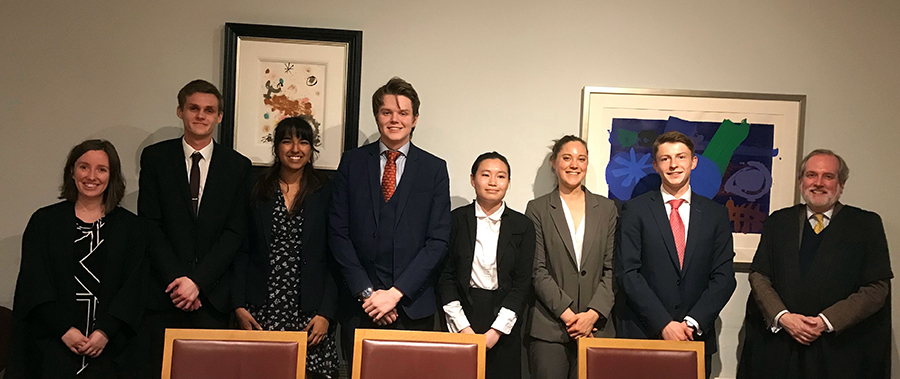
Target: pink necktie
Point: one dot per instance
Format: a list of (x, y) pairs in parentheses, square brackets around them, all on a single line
[(677, 229), (389, 178)]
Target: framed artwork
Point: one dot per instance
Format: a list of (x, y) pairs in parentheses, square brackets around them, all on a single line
[(274, 72), (748, 146)]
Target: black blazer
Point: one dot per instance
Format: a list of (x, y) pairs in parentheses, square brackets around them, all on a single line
[(200, 247), (515, 256), (655, 289), (46, 279), (318, 291)]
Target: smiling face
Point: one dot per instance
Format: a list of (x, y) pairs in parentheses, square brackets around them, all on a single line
[(571, 164), (490, 181), (91, 175), (293, 153), (819, 185), (199, 114), (395, 121), (674, 162)]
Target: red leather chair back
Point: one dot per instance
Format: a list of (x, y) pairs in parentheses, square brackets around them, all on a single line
[(384, 354), (233, 354), (638, 359)]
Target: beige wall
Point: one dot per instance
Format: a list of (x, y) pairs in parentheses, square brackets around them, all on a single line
[(493, 75)]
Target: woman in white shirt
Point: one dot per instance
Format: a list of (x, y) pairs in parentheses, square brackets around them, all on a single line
[(573, 260), (487, 277)]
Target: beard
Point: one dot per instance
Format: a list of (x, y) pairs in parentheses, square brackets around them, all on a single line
[(821, 201)]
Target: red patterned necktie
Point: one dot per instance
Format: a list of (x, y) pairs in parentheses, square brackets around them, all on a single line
[(389, 178), (677, 229)]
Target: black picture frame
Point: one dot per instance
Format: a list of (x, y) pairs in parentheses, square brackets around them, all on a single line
[(234, 32)]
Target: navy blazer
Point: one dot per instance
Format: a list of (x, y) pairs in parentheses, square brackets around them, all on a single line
[(201, 247), (318, 291), (515, 256), (420, 234), (656, 291)]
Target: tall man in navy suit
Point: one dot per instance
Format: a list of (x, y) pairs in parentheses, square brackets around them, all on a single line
[(390, 220), (674, 261), (192, 192)]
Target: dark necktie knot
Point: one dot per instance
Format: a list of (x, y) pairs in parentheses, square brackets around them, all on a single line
[(196, 157)]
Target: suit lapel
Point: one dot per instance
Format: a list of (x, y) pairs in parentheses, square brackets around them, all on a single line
[(374, 167), (264, 214), (562, 225), (695, 227), (658, 209), (503, 239), (212, 189), (591, 224), (410, 176), (180, 176)]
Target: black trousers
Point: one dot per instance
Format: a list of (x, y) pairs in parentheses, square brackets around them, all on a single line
[(355, 318), (504, 360), (152, 335)]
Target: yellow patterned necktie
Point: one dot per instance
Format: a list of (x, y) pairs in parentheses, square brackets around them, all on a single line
[(820, 224)]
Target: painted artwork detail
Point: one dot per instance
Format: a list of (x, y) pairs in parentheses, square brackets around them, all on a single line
[(734, 164), (290, 89)]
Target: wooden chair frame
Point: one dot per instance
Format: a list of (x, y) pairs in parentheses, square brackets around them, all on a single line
[(233, 335), (416, 336), (622, 343)]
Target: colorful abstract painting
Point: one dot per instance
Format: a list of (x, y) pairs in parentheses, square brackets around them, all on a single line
[(734, 165), (289, 89)]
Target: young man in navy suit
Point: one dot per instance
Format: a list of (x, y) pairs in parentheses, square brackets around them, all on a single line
[(390, 220), (192, 193), (675, 255)]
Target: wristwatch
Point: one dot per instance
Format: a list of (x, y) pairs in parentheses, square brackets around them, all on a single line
[(365, 294)]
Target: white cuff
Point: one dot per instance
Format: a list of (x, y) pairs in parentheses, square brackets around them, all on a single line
[(829, 328), (693, 323), (456, 316), (775, 326), (505, 321)]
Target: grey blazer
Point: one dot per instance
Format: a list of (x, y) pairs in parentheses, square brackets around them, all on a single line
[(558, 283)]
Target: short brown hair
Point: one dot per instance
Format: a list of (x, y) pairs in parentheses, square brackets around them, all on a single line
[(198, 86), (843, 169), (397, 87), (115, 187), (672, 137)]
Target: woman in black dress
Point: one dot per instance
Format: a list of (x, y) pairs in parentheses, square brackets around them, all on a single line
[(283, 274), (77, 301)]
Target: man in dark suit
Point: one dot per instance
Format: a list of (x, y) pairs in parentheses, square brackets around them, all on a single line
[(675, 256), (820, 280), (192, 192), (390, 219)]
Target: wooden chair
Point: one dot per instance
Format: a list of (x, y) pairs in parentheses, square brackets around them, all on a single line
[(233, 354), (619, 358), (386, 354)]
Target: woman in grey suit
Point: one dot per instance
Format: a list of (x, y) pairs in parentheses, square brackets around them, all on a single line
[(573, 260)]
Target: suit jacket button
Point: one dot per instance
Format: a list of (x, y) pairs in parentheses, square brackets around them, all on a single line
[(583, 272), (678, 282), (676, 307)]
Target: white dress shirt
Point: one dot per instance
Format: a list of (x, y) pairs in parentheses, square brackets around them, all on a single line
[(576, 233), (810, 216), (207, 153), (400, 162), (484, 272), (684, 210)]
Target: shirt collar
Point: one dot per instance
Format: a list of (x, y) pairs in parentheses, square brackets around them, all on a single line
[(206, 152), (404, 150), (479, 212), (828, 213), (666, 197)]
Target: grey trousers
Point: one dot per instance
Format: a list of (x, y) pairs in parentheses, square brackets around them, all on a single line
[(552, 360)]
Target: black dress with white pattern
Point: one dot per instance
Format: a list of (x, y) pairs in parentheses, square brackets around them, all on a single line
[(282, 308), (89, 255)]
